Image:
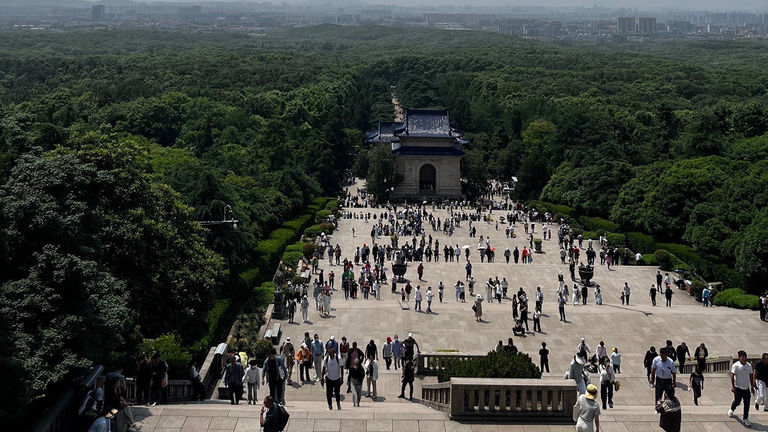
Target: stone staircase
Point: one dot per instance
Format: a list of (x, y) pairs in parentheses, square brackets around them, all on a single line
[(387, 413)]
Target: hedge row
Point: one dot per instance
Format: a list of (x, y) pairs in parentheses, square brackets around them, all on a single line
[(597, 224), (737, 298), (495, 365)]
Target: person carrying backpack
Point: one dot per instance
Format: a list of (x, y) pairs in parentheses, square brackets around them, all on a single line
[(276, 417)]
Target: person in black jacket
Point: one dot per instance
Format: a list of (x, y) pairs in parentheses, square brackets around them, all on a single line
[(270, 422), (408, 376), (648, 361)]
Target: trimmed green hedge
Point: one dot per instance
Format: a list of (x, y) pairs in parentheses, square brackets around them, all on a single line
[(313, 230), (291, 258), (615, 239), (299, 223), (640, 242), (264, 294), (322, 215), (737, 298), (495, 365), (251, 277), (597, 223)]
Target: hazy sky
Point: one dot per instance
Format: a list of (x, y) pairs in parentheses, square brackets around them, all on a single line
[(757, 5)]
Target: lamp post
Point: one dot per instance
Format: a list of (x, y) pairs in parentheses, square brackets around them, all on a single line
[(226, 221)]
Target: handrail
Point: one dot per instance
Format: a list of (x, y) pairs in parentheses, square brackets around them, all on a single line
[(61, 416)]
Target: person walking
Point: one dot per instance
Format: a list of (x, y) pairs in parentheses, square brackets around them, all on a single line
[(468, 268), (304, 359), (417, 299), (407, 379), (288, 354), (317, 349), (607, 378), (397, 352), (670, 415), (478, 308), (576, 371), (304, 309), (742, 384), (543, 357), (386, 352), (561, 301), (648, 363), (274, 374), (332, 378), (616, 360), (537, 320), (251, 380), (696, 382), (664, 372), (233, 376), (701, 355), (652, 294), (683, 353), (761, 380), (429, 296), (588, 411), (668, 294), (626, 292), (420, 270), (356, 377), (371, 367)]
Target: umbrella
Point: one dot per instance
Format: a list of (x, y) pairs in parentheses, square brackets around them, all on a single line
[(466, 247), (493, 249)]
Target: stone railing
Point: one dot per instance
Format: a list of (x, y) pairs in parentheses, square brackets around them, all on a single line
[(433, 363), (177, 390), (714, 365), (62, 415), (491, 399)]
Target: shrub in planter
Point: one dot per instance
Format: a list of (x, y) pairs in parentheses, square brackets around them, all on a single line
[(313, 231), (260, 349), (737, 298), (291, 258), (537, 244), (322, 215), (327, 228), (697, 287), (308, 249), (495, 365), (664, 258), (600, 233)]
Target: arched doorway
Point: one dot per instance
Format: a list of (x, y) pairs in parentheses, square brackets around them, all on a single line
[(427, 179)]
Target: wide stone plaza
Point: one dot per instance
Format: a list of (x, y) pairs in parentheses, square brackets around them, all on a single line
[(632, 328)]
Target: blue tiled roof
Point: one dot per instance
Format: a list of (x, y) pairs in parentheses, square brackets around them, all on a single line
[(426, 122)]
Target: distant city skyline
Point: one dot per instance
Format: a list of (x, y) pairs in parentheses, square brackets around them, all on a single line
[(642, 5)]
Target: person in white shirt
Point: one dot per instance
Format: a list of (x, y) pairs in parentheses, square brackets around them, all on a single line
[(607, 378), (665, 373), (251, 378), (332, 378), (742, 383), (429, 300), (417, 304), (616, 360)]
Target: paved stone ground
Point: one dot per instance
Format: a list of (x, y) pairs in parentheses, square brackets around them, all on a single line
[(452, 327)]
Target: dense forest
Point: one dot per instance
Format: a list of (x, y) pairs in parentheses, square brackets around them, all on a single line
[(114, 143)]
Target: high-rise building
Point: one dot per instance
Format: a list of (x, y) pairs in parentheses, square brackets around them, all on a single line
[(646, 25), (98, 11), (625, 24)]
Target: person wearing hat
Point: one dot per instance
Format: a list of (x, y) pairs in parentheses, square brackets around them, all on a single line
[(478, 308), (304, 358), (587, 411), (576, 371), (251, 379), (288, 353)]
